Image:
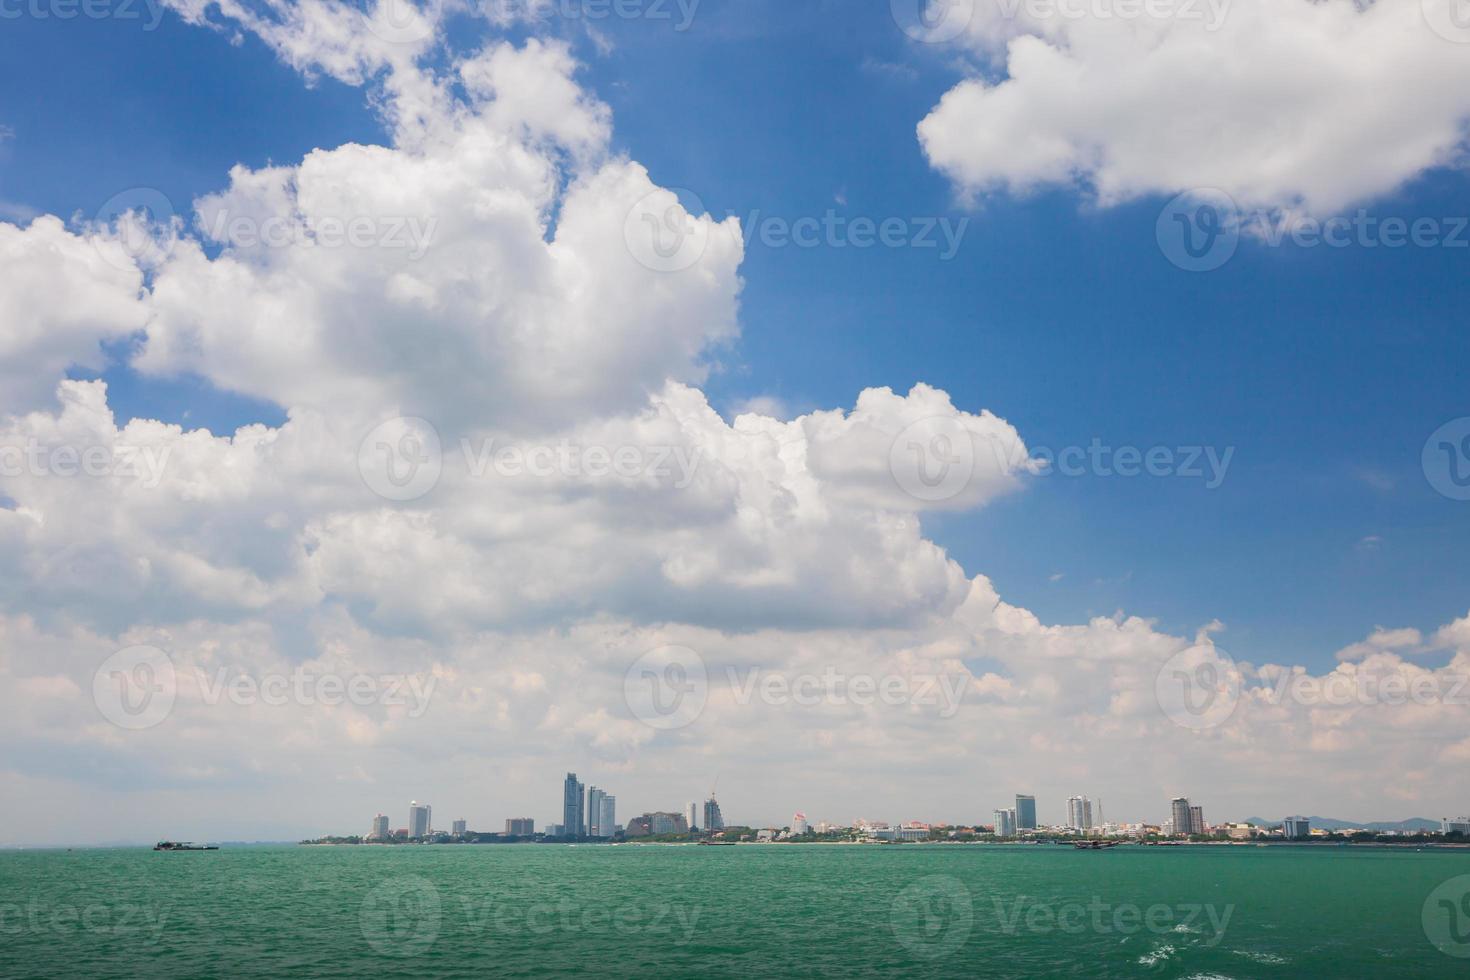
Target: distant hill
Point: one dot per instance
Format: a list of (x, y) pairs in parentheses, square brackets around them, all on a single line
[(1332, 823)]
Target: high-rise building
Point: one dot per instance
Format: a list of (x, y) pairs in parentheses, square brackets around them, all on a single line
[(691, 814), (799, 824), (1025, 812), (1460, 826), (420, 819), (458, 828), (594, 812), (573, 807), (1079, 813), (1296, 828), (380, 828), (1005, 823), (713, 819), (1179, 820), (520, 827), (1196, 819), (607, 816), (556, 830)]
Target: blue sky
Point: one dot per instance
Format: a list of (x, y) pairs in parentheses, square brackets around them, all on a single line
[(1326, 369)]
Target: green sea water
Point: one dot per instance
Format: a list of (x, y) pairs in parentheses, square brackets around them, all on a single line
[(748, 911)]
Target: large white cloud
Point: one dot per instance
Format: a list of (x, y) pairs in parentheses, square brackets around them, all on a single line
[(1283, 104), (535, 328)]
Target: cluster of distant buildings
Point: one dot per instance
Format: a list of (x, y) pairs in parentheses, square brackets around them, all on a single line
[(588, 813)]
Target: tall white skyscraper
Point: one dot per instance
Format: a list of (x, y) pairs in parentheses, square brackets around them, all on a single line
[(713, 819), (607, 817), (1005, 823), (1079, 813), (380, 827), (799, 824), (573, 807), (691, 815), (1179, 819), (420, 819), (594, 813)]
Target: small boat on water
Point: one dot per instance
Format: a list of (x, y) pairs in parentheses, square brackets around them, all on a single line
[(173, 845), (1095, 845), (716, 843)]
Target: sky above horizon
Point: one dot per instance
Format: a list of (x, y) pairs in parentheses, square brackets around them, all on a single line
[(870, 313)]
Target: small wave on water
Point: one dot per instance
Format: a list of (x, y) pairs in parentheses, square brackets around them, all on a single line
[(1160, 955), (1268, 958)]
